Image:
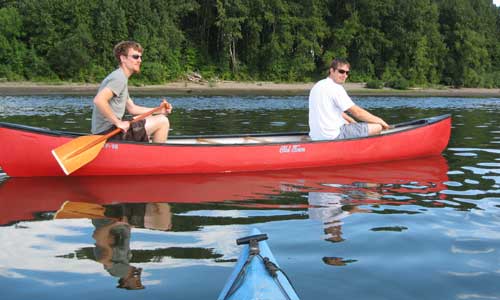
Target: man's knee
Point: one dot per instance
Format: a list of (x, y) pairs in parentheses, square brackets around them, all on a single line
[(164, 122), (374, 129), (157, 122), (161, 121)]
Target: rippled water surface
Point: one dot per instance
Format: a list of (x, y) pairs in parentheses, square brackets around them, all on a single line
[(417, 229)]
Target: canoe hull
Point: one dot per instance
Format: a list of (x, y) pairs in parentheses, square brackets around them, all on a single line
[(27, 152)]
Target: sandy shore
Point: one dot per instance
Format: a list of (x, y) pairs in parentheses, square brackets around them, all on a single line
[(233, 88)]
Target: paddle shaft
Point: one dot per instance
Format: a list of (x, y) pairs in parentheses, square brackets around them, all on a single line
[(116, 131)]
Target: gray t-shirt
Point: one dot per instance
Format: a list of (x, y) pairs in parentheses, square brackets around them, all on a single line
[(117, 82)]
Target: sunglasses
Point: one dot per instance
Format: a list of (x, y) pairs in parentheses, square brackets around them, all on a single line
[(136, 56), (343, 71)]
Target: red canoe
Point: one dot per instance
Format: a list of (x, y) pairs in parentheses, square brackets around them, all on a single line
[(26, 151), (24, 198)]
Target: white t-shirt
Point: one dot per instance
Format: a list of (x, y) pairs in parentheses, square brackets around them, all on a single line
[(327, 101), (326, 207)]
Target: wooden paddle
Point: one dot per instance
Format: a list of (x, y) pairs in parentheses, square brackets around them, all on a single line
[(82, 150)]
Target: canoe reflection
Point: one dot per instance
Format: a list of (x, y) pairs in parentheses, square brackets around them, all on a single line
[(403, 183), (117, 205), (23, 198)]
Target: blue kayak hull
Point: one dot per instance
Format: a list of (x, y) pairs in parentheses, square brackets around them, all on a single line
[(257, 283)]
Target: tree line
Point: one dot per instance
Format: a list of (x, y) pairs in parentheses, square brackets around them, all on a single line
[(399, 42)]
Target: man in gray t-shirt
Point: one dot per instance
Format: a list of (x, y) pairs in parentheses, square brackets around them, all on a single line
[(117, 82), (112, 100)]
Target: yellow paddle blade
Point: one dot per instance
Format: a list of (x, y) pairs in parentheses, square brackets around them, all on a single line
[(78, 152), (80, 210)]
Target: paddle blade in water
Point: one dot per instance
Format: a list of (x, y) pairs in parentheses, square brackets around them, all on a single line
[(79, 152)]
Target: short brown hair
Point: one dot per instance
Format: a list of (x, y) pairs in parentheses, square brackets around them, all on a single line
[(122, 49), (339, 61)]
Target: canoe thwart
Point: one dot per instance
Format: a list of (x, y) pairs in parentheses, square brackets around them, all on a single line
[(256, 139), (206, 141)]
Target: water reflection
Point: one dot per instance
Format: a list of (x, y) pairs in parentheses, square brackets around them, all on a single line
[(69, 224), (112, 250), (386, 183), (396, 184), (112, 233), (118, 207)]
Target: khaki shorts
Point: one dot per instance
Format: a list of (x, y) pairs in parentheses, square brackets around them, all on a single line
[(353, 130), (136, 133)]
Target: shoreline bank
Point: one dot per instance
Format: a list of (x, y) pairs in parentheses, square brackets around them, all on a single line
[(228, 88)]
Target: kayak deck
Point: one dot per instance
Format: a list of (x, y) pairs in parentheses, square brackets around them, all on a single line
[(257, 275)]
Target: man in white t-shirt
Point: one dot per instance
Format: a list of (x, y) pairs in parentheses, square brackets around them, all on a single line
[(328, 102)]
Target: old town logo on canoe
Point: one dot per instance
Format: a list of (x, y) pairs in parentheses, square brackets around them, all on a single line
[(292, 149)]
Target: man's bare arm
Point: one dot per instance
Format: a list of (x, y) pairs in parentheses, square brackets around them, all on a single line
[(101, 101), (363, 115), (348, 118)]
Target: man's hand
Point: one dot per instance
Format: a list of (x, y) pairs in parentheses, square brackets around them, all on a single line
[(123, 125), (385, 126), (167, 107), (363, 115)]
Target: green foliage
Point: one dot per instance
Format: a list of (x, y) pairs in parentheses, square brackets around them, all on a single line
[(152, 73), (191, 58), (399, 83), (208, 71), (375, 84), (37, 68), (12, 50), (467, 27), (403, 43), (92, 73), (493, 80)]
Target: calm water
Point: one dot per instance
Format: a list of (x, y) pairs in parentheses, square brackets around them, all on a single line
[(416, 229)]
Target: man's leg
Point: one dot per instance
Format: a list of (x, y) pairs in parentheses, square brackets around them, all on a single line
[(136, 133), (374, 129), (353, 130), (157, 127)]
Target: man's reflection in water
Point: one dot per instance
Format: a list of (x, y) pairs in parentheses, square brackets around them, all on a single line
[(155, 216), (113, 232), (112, 249), (112, 236), (327, 208), (330, 208)]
